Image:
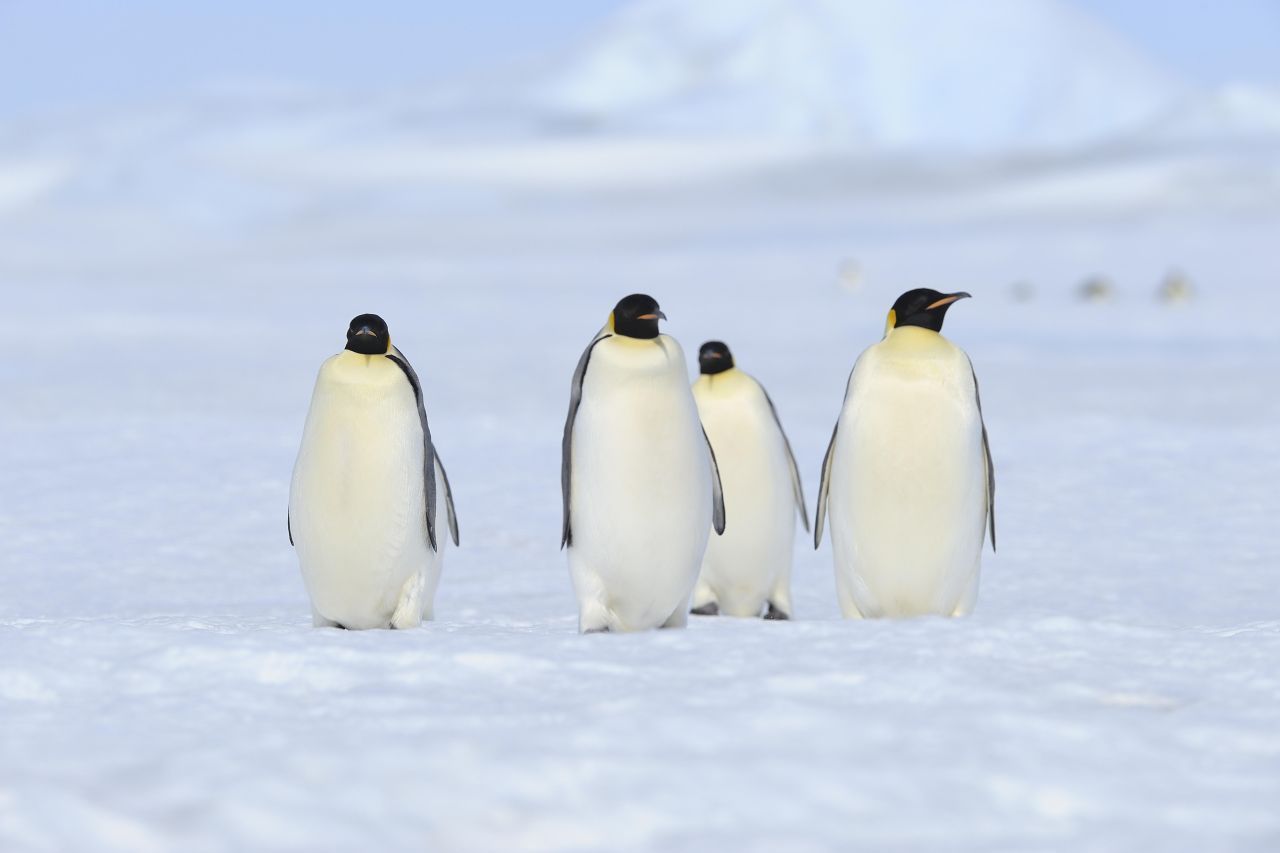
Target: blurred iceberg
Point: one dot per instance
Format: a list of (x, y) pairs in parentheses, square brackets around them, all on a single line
[(995, 76), (909, 110)]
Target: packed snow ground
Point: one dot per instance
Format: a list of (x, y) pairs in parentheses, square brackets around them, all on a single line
[(1117, 688), (172, 280)]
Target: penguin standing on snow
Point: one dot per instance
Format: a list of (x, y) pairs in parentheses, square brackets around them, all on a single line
[(748, 569), (640, 487), (370, 497), (907, 480)]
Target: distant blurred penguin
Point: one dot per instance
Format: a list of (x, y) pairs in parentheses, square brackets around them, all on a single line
[(370, 497), (1176, 289), (638, 477), (747, 570), (907, 480), (1096, 289), (850, 274)]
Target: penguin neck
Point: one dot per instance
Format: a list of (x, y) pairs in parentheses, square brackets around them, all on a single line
[(915, 340), (639, 355), (360, 359), (349, 367), (725, 381), (643, 346)]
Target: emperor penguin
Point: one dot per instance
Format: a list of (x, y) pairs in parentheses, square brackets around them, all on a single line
[(370, 497), (907, 481), (638, 477), (747, 570)]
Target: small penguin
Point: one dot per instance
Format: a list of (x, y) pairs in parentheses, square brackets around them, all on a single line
[(908, 480), (748, 569), (1096, 288), (638, 477), (365, 509), (1176, 288)]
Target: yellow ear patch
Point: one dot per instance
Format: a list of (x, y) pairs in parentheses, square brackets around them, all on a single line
[(611, 321), (891, 321), (388, 344)]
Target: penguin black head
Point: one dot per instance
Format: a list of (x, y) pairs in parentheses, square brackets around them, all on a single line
[(636, 316), (922, 307), (368, 335), (714, 357)]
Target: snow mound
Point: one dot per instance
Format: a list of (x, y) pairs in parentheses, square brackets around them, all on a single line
[(1235, 113), (875, 74)]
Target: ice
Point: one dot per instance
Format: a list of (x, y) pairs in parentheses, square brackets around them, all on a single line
[(876, 74)]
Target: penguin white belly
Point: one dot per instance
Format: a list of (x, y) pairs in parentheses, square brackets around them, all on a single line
[(742, 568), (641, 487), (908, 486), (357, 503)]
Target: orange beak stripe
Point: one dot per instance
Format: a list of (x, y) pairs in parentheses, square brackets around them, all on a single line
[(947, 300)]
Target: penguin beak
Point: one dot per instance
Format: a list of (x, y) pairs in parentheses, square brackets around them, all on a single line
[(657, 316), (947, 300), (365, 330)]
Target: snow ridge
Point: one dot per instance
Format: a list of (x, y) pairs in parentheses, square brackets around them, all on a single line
[(875, 74)]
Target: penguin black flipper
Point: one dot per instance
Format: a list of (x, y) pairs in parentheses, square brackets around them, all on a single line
[(566, 443), (825, 486), (717, 489), (986, 455), (429, 450), (791, 458), (288, 525), (820, 514), (448, 498)]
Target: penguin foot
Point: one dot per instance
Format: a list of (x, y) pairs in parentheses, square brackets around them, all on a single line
[(708, 609), (602, 629), (774, 613)]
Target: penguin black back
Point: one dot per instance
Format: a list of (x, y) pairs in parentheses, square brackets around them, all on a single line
[(714, 357), (922, 307), (637, 316), (368, 335)]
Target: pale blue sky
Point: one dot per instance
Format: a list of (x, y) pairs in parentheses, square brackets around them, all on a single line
[(60, 54)]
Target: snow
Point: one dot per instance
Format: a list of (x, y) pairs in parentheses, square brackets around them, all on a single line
[(173, 279), (876, 74), (161, 686), (1239, 113)]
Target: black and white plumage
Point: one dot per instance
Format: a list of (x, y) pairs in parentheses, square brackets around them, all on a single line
[(908, 483), (747, 571), (640, 489), (365, 513)]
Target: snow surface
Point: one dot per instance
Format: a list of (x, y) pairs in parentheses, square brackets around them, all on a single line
[(172, 280), (1118, 688)]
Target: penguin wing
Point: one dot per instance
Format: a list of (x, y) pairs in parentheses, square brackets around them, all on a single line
[(986, 455), (717, 489), (791, 458), (448, 499), (820, 514), (824, 487), (566, 443), (429, 454)]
